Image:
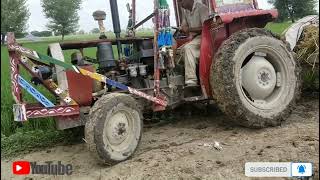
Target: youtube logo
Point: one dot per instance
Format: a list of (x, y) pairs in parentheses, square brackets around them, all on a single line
[(21, 167)]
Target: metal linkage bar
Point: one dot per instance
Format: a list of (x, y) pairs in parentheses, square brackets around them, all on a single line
[(38, 57), (46, 59), (45, 108), (156, 49), (144, 20), (49, 84), (118, 85), (35, 93)]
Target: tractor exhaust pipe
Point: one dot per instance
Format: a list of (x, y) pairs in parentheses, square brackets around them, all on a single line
[(115, 17), (116, 23)]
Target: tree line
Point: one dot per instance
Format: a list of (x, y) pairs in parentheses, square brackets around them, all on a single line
[(294, 9), (62, 15)]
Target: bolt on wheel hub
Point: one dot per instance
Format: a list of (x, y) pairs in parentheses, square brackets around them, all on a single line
[(117, 129)]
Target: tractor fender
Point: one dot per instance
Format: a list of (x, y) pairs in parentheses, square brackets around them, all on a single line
[(229, 17), (217, 29)]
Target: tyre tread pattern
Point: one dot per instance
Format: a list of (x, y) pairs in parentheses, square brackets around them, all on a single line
[(106, 102), (223, 86)]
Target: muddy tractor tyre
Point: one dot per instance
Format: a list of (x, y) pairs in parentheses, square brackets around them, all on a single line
[(114, 128), (255, 79)]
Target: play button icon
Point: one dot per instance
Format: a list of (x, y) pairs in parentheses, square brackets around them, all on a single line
[(21, 167), (18, 168)]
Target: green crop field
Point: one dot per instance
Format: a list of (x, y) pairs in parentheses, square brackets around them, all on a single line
[(278, 28), (44, 133)]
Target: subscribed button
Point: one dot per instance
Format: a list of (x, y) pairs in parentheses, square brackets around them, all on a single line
[(301, 169), (268, 169)]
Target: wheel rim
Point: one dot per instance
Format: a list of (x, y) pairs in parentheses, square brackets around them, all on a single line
[(263, 77), (118, 130)]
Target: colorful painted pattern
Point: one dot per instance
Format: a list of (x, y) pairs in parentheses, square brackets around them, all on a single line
[(146, 96), (22, 50), (14, 80), (39, 57), (46, 59), (63, 95), (55, 111), (93, 75), (35, 93)]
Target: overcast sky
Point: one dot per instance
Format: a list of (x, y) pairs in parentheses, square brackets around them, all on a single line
[(37, 20)]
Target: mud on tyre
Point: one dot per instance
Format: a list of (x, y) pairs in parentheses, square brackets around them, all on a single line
[(255, 79), (114, 128)]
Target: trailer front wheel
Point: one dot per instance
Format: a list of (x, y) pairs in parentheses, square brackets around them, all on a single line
[(114, 129)]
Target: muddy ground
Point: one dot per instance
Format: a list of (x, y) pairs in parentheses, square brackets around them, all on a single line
[(178, 150)]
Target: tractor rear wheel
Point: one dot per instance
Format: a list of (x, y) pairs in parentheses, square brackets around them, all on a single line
[(114, 128), (255, 79)]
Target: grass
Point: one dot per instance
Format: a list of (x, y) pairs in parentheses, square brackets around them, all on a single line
[(25, 141), (17, 137), (83, 37), (278, 28)]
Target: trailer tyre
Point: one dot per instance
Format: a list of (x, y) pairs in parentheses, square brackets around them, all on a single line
[(114, 129), (255, 79)]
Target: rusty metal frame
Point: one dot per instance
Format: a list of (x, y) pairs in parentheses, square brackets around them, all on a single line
[(70, 108), (17, 53)]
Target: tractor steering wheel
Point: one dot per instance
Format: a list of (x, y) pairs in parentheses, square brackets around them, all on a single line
[(178, 34)]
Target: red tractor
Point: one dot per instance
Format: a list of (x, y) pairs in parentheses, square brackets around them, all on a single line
[(246, 70)]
